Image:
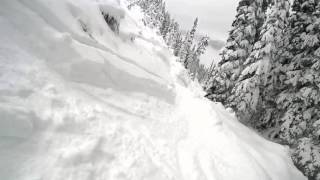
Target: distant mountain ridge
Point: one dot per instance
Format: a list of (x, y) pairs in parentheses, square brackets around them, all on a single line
[(216, 44)]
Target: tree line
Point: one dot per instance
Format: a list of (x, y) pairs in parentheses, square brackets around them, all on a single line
[(187, 46), (270, 75)]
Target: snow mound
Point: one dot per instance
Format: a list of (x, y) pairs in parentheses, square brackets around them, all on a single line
[(112, 7), (79, 102)]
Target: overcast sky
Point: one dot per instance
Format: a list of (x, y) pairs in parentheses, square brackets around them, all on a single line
[(215, 16)]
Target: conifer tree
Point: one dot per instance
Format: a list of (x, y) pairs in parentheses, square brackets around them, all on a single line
[(165, 25), (154, 11), (172, 33), (244, 33), (210, 73), (254, 91), (177, 44), (194, 65), (193, 31), (187, 45), (300, 98), (189, 62), (202, 45)]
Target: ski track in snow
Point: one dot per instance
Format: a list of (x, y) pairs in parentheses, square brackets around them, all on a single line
[(75, 106)]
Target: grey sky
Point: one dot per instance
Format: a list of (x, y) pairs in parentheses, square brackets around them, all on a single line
[(215, 15), (215, 18)]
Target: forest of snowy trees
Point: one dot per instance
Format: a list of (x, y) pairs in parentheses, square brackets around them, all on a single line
[(185, 45), (270, 75)]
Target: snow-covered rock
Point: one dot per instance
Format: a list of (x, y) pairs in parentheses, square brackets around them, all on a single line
[(82, 104)]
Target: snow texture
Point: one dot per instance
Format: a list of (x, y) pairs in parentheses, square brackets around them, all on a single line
[(85, 105)]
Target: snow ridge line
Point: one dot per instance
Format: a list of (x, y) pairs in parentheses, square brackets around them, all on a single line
[(84, 40)]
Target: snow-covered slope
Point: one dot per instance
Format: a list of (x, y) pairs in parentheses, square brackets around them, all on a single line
[(78, 105)]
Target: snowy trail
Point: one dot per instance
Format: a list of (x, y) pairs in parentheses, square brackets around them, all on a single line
[(83, 107), (218, 147)]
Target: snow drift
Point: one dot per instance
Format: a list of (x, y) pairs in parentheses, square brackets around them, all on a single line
[(78, 101)]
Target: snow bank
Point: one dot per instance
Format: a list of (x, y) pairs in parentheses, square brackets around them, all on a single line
[(79, 102)]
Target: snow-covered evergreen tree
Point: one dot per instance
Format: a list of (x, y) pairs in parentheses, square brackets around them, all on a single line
[(202, 74), (202, 45), (190, 61), (195, 67), (210, 73), (242, 37), (186, 50), (300, 98), (173, 30), (165, 25), (254, 91), (177, 44), (193, 31), (154, 11)]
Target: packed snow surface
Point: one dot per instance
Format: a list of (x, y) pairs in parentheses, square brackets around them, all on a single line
[(79, 102)]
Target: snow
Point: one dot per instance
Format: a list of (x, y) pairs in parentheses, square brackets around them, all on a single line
[(94, 105)]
